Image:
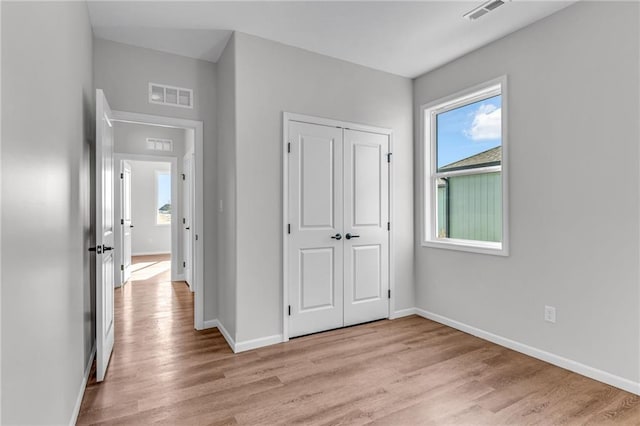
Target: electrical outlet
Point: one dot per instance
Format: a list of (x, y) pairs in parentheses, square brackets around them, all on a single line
[(550, 314)]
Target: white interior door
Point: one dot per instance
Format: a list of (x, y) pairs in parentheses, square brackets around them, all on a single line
[(127, 226), (104, 235), (315, 241), (187, 167), (366, 214)]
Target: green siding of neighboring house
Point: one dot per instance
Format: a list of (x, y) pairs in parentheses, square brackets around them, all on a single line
[(475, 206)]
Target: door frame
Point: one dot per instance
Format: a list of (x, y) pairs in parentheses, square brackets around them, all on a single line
[(118, 158), (286, 118), (198, 201)]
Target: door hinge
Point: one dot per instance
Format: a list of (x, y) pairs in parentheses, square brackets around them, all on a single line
[(196, 237), (389, 157), (121, 175), (289, 147), (288, 228), (388, 226), (184, 177), (121, 221), (184, 221), (122, 267), (289, 310), (389, 293), (184, 264)]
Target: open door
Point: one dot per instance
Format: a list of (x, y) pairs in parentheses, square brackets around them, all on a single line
[(187, 219), (104, 235), (126, 220)]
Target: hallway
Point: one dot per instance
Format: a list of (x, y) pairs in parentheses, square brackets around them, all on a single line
[(155, 345)]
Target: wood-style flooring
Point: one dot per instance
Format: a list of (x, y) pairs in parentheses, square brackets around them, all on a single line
[(409, 371)]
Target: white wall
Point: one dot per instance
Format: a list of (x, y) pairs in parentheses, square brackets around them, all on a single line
[(146, 236), (574, 185), (47, 134), (226, 183), (124, 72), (272, 78)]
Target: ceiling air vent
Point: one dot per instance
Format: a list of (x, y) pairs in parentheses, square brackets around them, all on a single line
[(155, 144), (483, 9), (170, 95)]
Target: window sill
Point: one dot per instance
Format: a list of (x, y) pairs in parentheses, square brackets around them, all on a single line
[(495, 249)]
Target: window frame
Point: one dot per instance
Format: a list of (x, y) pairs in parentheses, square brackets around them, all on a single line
[(428, 143), (157, 194)]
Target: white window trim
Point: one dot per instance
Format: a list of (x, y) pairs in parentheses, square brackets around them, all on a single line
[(155, 209), (428, 235)]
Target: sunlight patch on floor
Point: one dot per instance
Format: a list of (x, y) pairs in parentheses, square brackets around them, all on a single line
[(146, 270)]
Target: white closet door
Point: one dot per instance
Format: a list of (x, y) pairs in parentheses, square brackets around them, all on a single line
[(366, 213), (315, 259)]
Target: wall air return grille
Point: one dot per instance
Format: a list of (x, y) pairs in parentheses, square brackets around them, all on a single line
[(155, 144), (170, 95), (483, 9)]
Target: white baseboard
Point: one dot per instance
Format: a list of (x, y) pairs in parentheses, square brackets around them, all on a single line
[(150, 253), (210, 324), (216, 323), (402, 313), (177, 277), (83, 385), (568, 364), (247, 345)]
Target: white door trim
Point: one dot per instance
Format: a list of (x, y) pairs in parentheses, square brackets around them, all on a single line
[(286, 118), (119, 157), (198, 184)]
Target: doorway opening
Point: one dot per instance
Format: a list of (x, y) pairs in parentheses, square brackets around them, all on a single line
[(158, 203)]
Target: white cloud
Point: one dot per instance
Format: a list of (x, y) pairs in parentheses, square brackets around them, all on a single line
[(487, 123)]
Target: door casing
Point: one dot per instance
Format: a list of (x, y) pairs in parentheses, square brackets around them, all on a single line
[(286, 118)]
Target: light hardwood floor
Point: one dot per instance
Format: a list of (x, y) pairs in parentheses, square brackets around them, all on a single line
[(408, 371)]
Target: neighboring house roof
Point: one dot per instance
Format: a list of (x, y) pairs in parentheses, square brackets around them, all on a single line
[(488, 158)]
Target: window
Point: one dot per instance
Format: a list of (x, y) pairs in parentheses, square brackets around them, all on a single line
[(163, 198), (465, 170)]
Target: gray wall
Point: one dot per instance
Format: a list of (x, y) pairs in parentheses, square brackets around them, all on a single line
[(272, 78), (573, 139), (226, 181), (146, 236), (124, 73), (47, 134)]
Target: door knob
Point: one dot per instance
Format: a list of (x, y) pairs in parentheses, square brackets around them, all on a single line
[(130, 226), (350, 236), (337, 237), (187, 228), (106, 248)]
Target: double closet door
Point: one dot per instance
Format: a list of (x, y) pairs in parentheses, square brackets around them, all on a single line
[(338, 233)]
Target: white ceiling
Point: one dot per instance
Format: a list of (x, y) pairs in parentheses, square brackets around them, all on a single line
[(404, 38)]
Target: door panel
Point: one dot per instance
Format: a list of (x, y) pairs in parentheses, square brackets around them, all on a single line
[(317, 183), (366, 213), (317, 272), (315, 215), (367, 279), (126, 221), (367, 173), (104, 235)]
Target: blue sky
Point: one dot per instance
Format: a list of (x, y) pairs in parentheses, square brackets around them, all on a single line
[(164, 189), (469, 130)]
